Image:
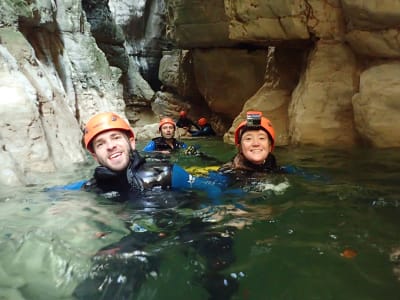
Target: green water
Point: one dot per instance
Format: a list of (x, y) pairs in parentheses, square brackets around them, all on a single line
[(288, 243)]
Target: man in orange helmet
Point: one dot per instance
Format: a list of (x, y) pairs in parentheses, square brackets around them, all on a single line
[(186, 125), (167, 141)]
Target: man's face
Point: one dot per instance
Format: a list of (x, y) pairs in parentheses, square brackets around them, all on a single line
[(167, 131), (112, 149), (255, 146)]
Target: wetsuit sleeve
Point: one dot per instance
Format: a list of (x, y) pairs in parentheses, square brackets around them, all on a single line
[(198, 133), (208, 130), (151, 146), (289, 169), (181, 179), (75, 186)]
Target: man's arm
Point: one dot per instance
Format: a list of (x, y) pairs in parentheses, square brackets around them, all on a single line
[(151, 146), (213, 185), (194, 124)]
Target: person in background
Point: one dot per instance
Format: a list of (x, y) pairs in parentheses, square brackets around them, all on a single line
[(186, 125), (167, 141), (205, 128), (255, 140)]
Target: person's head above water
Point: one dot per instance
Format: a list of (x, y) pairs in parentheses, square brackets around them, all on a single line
[(109, 139), (167, 128), (202, 121), (182, 114), (255, 137)]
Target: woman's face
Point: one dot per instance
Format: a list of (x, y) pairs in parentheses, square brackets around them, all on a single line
[(255, 146)]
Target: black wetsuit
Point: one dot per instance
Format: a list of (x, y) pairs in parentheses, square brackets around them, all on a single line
[(161, 144), (186, 122), (240, 163), (205, 130), (141, 185)]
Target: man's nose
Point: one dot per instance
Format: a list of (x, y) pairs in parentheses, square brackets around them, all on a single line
[(110, 144)]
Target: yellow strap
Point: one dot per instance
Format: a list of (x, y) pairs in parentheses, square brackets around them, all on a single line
[(197, 170)]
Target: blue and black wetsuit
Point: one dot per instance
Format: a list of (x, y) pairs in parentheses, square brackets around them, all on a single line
[(143, 178), (186, 122), (205, 130), (160, 144)]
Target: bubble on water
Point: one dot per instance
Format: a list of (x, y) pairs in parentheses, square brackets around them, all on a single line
[(153, 274), (121, 279)]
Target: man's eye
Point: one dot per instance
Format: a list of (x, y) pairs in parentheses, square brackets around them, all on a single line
[(98, 145), (117, 137)]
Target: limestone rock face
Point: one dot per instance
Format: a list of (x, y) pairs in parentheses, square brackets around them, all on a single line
[(143, 24), (111, 39), (377, 105), (198, 23), (240, 73), (267, 20), (320, 112), (53, 78), (373, 27)]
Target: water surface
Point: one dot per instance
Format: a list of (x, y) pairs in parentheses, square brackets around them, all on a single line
[(325, 232)]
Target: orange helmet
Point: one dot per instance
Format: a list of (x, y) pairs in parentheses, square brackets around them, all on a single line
[(166, 120), (202, 121), (103, 122), (182, 113), (255, 120)]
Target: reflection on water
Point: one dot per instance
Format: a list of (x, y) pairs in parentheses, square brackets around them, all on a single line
[(330, 231)]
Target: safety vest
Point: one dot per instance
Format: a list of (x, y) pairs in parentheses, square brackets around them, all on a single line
[(162, 145)]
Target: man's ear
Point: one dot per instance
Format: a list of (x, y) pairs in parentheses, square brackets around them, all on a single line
[(132, 142)]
